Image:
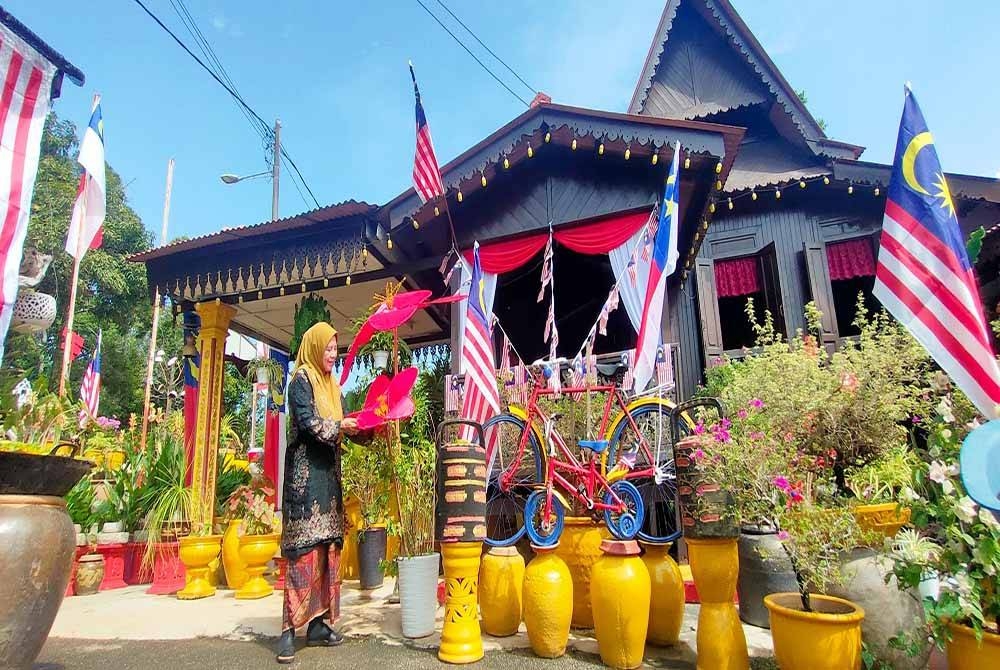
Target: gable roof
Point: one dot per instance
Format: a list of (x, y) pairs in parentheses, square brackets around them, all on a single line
[(744, 45)]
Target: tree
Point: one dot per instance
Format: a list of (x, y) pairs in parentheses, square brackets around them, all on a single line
[(804, 99)]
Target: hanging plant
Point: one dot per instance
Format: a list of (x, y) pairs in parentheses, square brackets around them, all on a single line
[(312, 310)]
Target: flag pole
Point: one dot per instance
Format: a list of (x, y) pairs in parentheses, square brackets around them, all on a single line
[(68, 340), (156, 313)]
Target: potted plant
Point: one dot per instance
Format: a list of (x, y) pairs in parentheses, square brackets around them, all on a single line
[(260, 538), (365, 476), (965, 615), (876, 488), (168, 501), (378, 350)]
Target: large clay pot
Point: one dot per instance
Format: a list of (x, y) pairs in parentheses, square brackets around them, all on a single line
[(888, 610), (501, 591), (418, 577), (722, 645), (196, 553), (89, 574), (236, 569), (371, 553), (256, 551), (966, 653), (828, 638), (37, 544), (579, 547), (666, 605), (764, 568), (548, 603), (619, 595)]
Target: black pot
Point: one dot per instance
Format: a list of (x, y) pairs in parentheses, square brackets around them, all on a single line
[(764, 569), (371, 553), (36, 475)]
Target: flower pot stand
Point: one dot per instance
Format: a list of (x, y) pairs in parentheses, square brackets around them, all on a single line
[(197, 554), (168, 571), (461, 637), (114, 566), (135, 573), (256, 551), (721, 643)]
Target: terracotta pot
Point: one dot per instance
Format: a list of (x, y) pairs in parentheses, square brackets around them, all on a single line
[(197, 553), (501, 591), (236, 569), (666, 605), (548, 603), (37, 545), (965, 653), (828, 638), (619, 596), (256, 551), (884, 518), (89, 574), (579, 547)]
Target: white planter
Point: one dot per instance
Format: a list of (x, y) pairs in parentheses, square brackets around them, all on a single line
[(112, 538), (418, 577), (112, 527), (929, 586), (81, 540), (380, 359)]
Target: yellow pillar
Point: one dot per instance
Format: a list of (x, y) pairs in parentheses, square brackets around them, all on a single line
[(215, 318), (715, 565), (461, 638)]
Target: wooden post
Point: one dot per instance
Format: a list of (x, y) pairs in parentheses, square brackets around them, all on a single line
[(68, 341), (156, 314)]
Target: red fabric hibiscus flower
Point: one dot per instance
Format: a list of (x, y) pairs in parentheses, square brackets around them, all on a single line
[(388, 399)]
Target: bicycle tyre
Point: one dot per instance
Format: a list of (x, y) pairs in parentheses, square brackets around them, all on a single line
[(532, 509), (624, 526), (505, 509)]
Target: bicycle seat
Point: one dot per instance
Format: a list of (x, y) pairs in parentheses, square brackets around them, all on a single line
[(596, 446), (611, 369)]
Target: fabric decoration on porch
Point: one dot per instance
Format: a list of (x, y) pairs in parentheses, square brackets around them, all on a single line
[(737, 276), (850, 259), (632, 295)]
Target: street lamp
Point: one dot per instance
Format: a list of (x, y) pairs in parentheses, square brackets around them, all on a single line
[(275, 170)]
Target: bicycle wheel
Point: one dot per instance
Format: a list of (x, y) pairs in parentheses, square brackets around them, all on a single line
[(625, 524), (659, 491), (505, 503), (543, 532)]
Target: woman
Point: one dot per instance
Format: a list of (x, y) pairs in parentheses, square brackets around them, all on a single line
[(312, 503)]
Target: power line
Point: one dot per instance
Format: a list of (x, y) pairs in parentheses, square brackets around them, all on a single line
[(468, 51), (488, 50), (226, 86)]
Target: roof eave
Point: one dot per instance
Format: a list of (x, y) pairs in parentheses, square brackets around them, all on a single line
[(62, 64)]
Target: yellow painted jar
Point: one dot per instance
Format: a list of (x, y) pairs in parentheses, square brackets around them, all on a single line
[(236, 569), (828, 638), (501, 583), (666, 605), (548, 603), (619, 596), (721, 642), (580, 547), (349, 555), (965, 653)]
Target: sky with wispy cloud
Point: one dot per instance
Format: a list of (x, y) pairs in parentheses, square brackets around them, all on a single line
[(335, 73)]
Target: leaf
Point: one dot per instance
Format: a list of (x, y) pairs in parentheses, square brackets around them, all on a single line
[(975, 244)]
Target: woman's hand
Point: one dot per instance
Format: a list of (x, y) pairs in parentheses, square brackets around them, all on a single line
[(349, 426)]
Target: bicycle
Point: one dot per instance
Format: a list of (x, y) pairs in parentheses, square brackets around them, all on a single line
[(636, 442)]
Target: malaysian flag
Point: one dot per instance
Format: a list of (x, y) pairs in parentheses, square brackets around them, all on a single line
[(505, 348), (632, 271), (481, 400), (665, 368), (578, 373), (647, 246), (923, 276), (23, 108), (90, 390), (546, 271), (426, 174), (628, 379)]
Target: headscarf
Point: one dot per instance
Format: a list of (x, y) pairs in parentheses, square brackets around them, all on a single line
[(326, 390)]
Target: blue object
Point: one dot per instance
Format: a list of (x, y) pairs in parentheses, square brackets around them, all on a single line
[(532, 520), (596, 446), (626, 524), (979, 461)]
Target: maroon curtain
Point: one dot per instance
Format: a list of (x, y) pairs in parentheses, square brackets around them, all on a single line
[(737, 276), (850, 259)]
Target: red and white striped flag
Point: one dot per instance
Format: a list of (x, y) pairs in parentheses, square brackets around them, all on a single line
[(505, 357), (426, 174), (90, 389), (924, 277), (23, 108), (482, 399)]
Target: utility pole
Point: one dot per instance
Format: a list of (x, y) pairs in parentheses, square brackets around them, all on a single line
[(275, 170)]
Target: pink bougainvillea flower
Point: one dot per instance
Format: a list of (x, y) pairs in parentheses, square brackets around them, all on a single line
[(789, 437), (757, 403), (699, 429), (390, 314), (756, 435), (388, 400), (742, 414), (781, 483), (783, 535), (698, 454)]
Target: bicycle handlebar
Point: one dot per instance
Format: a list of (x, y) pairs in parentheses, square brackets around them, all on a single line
[(541, 362)]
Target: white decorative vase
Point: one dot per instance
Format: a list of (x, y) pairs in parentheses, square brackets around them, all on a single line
[(418, 576), (380, 359)]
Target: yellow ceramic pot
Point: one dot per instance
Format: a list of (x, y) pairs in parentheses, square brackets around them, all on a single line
[(715, 565), (548, 603), (501, 582), (666, 605), (349, 568), (196, 553), (461, 639), (256, 551), (236, 569), (965, 653), (619, 597), (580, 547), (885, 518), (828, 638)]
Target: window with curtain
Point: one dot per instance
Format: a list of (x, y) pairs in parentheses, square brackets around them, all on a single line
[(851, 265), (738, 280)]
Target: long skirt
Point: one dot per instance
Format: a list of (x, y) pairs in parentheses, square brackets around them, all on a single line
[(312, 587)]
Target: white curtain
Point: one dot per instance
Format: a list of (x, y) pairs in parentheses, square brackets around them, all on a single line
[(632, 296), (489, 294)]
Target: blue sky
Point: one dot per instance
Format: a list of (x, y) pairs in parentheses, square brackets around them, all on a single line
[(335, 73)]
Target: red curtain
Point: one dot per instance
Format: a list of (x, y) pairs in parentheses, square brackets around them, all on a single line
[(850, 259), (737, 276), (597, 237)]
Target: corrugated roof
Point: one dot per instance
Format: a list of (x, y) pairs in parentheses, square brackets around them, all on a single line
[(328, 213), (761, 163)]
